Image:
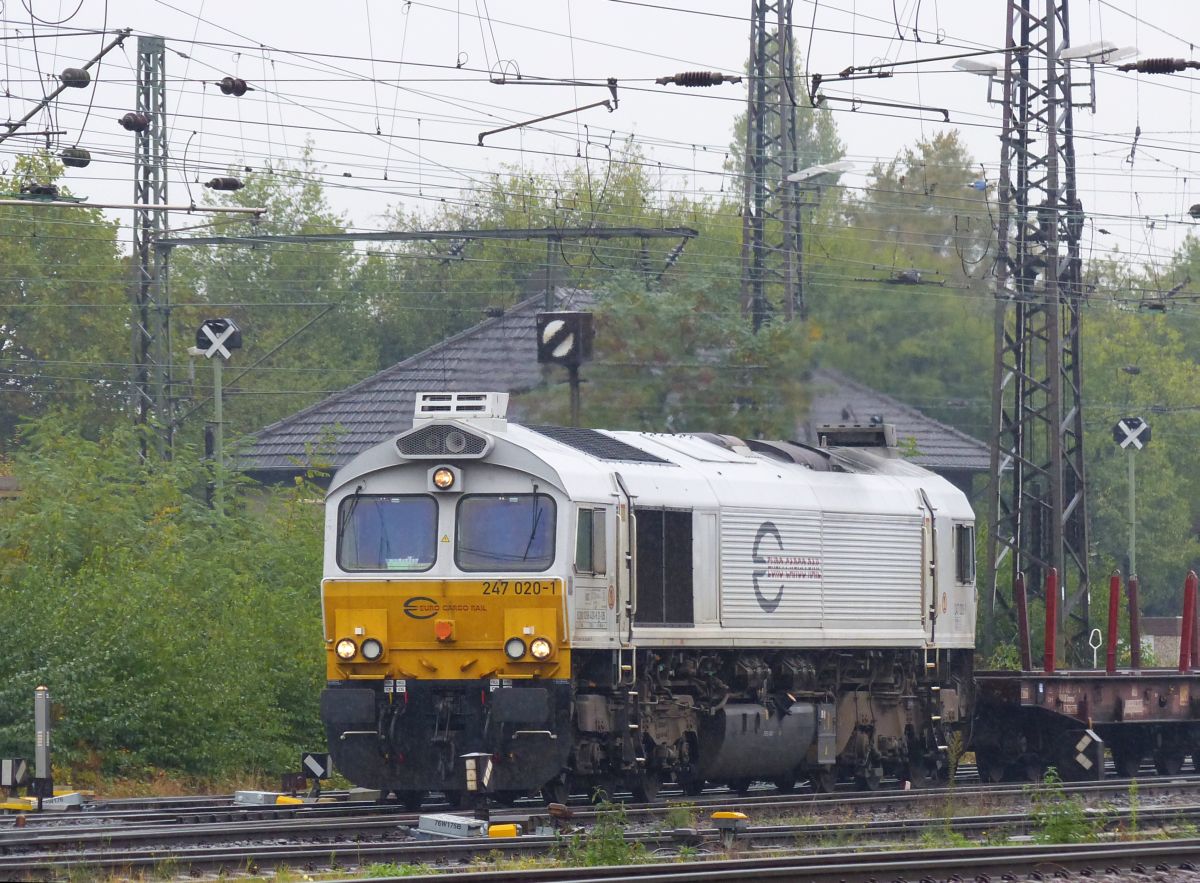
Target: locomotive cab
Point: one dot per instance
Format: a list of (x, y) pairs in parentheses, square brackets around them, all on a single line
[(444, 606)]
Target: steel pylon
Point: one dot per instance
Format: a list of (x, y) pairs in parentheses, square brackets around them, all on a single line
[(1038, 512), (771, 243), (151, 307)]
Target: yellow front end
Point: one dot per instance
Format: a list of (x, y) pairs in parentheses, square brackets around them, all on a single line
[(446, 629)]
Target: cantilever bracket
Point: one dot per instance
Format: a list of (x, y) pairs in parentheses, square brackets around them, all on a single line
[(611, 105)]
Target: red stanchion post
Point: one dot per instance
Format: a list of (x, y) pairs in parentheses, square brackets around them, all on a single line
[(1021, 602), (1051, 618), (1114, 605), (1135, 625), (1188, 622), (1195, 620)]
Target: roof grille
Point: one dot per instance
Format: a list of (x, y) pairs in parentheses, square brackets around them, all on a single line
[(597, 444), (440, 441), (461, 405)]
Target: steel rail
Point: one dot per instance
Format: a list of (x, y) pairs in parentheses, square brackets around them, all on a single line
[(243, 855)]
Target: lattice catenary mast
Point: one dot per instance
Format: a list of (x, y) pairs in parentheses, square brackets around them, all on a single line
[(771, 244), (151, 309), (1038, 511)]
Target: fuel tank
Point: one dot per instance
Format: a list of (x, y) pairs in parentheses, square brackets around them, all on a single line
[(748, 740)]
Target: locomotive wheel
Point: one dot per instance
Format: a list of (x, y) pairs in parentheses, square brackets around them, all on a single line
[(868, 780), (410, 800), (1168, 761), (917, 774), (645, 787), (1127, 761), (556, 791), (741, 786), (693, 787), (1033, 769), (785, 784), (823, 779), (990, 770)]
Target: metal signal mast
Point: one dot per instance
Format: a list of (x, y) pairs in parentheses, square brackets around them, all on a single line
[(1038, 514), (771, 244)]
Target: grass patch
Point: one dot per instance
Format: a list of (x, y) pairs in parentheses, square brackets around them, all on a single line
[(1057, 817), (392, 869), (680, 815), (605, 843)]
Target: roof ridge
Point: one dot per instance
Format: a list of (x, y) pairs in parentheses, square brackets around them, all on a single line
[(840, 377), (397, 368)]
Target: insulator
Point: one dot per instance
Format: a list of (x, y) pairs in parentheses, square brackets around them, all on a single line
[(45, 191), (135, 121), (76, 157), (1159, 65), (233, 86), (1194, 211), (695, 79), (75, 77), (225, 184)]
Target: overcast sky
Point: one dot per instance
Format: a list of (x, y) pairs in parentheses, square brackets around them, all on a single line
[(392, 96)]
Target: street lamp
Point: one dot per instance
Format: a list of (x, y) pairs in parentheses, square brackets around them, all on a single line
[(810, 179), (1102, 52), (829, 168)]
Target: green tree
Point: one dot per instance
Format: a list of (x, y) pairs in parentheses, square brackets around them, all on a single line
[(925, 337), (63, 308), (173, 637), (685, 360), (1139, 365), (305, 322), (922, 205), (424, 292)]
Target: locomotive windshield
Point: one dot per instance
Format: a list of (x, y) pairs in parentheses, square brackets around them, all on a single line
[(387, 533), (505, 532)]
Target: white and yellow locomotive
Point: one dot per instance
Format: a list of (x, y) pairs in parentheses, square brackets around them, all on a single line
[(587, 609)]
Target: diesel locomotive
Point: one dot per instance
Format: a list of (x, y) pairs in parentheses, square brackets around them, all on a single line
[(513, 608)]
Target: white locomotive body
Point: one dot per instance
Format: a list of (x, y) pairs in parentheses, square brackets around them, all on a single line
[(612, 609)]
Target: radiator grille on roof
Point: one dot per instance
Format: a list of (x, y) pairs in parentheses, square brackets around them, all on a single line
[(440, 441), (597, 444), (460, 405)]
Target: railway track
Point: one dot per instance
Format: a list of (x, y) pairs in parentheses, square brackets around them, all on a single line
[(1177, 858), (107, 823), (349, 840)]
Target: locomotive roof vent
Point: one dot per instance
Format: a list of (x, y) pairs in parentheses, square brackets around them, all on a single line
[(461, 406), (858, 435)]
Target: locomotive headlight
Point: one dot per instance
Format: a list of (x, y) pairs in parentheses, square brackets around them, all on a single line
[(514, 648), (345, 649), (540, 648), (371, 649), (443, 478)]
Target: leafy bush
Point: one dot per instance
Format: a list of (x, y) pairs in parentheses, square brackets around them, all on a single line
[(605, 844), (1056, 817), (169, 635)]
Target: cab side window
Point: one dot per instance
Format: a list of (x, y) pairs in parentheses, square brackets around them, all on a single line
[(964, 553), (591, 550)]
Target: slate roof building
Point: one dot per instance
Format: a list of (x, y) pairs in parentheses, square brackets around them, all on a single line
[(500, 354)]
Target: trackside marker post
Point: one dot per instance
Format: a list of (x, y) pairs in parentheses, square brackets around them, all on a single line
[(43, 783), (1188, 623), (1135, 625), (1114, 607), (1051, 619), (1021, 601)]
